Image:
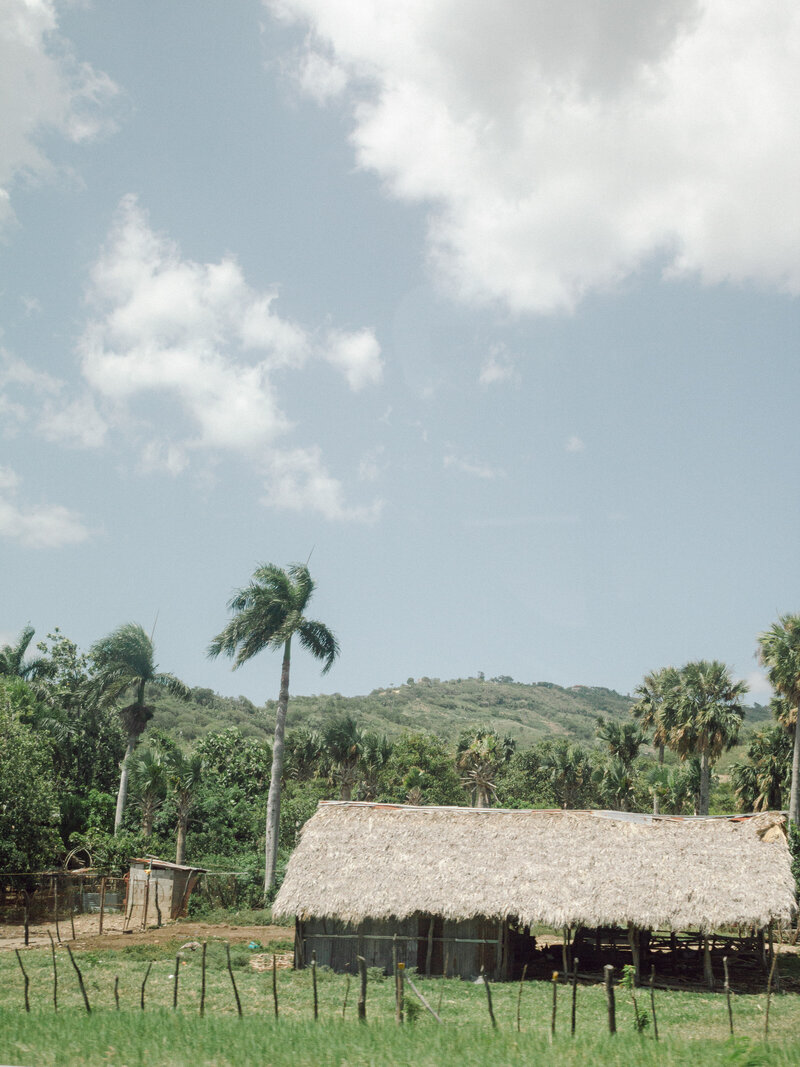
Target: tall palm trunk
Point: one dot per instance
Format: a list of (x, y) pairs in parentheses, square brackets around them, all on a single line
[(794, 796), (705, 783), (274, 798), (122, 794), (180, 843)]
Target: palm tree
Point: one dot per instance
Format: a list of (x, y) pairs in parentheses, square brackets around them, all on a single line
[(124, 661), (760, 782), (267, 614), (779, 652), (623, 740), (149, 786), (184, 774), (569, 770), (656, 707), (480, 758), (343, 745), (709, 717), (13, 663)]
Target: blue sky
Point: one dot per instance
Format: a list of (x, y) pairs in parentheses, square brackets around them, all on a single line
[(491, 308)]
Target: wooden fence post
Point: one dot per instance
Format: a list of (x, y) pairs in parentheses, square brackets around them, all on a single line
[(608, 977), (401, 969), (102, 903), (144, 983), (175, 982), (275, 983), (653, 1001), (26, 978), (769, 996), (728, 993), (203, 980), (80, 980), (55, 972), (55, 907), (422, 999), (233, 980), (488, 989), (362, 994), (116, 991), (575, 962), (555, 1005), (519, 996)]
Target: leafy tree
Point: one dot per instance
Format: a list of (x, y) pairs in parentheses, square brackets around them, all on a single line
[(376, 752), (235, 760), (29, 811), (124, 661), (623, 740), (302, 757), (268, 613), (441, 783), (779, 652)]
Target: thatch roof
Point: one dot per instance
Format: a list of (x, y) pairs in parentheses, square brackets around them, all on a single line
[(358, 861)]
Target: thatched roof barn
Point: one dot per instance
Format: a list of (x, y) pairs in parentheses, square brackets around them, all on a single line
[(358, 863)]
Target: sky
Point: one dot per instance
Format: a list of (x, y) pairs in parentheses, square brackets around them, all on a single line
[(488, 311)]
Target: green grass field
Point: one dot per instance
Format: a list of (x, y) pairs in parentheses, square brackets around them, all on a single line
[(693, 1026)]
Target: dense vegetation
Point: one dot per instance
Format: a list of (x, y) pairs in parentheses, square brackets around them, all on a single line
[(197, 766)]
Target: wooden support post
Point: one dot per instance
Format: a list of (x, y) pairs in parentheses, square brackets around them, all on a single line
[(80, 980), (203, 980), (25, 978), (146, 900), (275, 983), (565, 952), (233, 980), (728, 993), (488, 989), (429, 953), (362, 992), (102, 904), (575, 962), (55, 972), (608, 978), (422, 999)]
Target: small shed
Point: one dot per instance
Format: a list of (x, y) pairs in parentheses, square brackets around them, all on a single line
[(158, 890), (458, 889)]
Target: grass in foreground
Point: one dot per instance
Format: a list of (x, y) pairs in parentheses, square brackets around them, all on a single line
[(693, 1026)]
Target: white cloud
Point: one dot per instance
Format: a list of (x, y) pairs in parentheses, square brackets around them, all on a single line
[(194, 343), (759, 689), (497, 367), (77, 423), (37, 526), (42, 88), (562, 146), (475, 468), (298, 481), (574, 444), (357, 356), (369, 468)]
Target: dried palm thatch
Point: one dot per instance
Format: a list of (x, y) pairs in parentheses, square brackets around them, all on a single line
[(358, 861)]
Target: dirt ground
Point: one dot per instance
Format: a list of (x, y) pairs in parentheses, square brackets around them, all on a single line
[(87, 935)]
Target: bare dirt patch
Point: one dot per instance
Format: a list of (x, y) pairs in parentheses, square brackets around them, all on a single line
[(87, 935)]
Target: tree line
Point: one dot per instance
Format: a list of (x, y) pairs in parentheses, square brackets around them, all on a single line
[(75, 772)]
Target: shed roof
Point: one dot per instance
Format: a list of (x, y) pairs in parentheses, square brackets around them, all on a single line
[(359, 861)]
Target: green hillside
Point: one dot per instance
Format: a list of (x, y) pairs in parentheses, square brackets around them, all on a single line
[(527, 712)]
